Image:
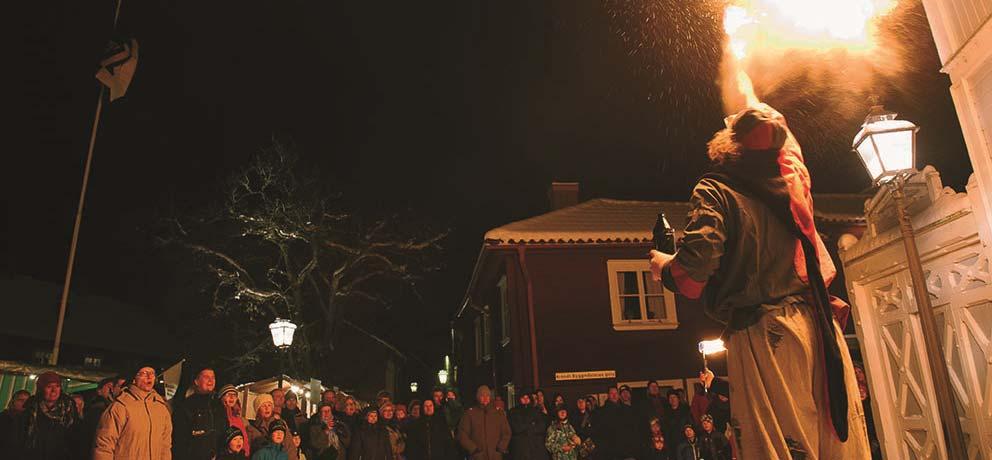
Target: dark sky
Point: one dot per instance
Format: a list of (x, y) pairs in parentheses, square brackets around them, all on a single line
[(464, 111)]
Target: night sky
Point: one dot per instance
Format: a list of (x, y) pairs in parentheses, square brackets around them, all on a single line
[(462, 111)]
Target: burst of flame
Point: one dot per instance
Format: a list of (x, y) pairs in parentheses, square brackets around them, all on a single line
[(804, 24)]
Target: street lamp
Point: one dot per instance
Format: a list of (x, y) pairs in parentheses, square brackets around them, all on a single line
[(442, 376), (887, 147), (413, 387), (282, 337), (282, 333)]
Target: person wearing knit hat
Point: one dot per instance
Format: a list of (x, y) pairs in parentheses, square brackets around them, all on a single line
[(228, 396), (751, 253), (484, 431), (199, 420), (275, 447), (48, 420), (234, 445), (712, 442), (260, 428)]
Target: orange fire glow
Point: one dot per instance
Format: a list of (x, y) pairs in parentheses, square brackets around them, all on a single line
[(804, 24)]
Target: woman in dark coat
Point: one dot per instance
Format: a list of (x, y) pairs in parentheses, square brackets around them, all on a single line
[(529, 429), (429, 438), (371, 440)]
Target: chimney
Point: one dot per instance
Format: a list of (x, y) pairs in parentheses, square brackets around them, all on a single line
[(563, 195)]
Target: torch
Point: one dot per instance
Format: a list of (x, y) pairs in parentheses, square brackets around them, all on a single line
[(710, 347)]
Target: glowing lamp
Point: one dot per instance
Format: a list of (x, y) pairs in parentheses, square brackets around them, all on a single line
[(413, 385), (282, 332), (886, 146), (710, 347), (442, 376)]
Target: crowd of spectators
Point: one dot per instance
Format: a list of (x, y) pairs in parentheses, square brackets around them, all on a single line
[(128, 418)]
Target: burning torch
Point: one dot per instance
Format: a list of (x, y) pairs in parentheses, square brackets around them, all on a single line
[(710, 347)]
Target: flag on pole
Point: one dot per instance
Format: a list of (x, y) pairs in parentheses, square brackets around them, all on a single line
[(117, 66), (171, 378)]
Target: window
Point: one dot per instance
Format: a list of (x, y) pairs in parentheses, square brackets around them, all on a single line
[(92, 362), (637, 301), (504, 312)]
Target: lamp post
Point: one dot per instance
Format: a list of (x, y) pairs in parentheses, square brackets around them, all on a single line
[(282, 337), (887, 148)]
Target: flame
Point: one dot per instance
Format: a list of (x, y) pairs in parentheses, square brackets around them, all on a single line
[(804, 24)]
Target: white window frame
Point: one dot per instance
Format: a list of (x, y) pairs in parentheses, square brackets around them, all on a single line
[(670, 321), (504, 312)]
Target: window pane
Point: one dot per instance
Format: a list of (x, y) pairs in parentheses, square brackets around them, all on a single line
[(631, 307), (627, 282), (656, 307), (652, 287)]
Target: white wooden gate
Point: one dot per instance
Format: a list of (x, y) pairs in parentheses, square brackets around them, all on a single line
[(952, 240)]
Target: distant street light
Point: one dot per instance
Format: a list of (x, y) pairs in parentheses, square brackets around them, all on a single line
[(442, 376), (887, 148), (413, 387), (282, 337)]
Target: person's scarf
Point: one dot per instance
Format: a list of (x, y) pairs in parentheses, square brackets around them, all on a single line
[(62, 414)]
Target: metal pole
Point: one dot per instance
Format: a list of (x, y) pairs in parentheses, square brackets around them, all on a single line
[(54, 360), (957, 450)]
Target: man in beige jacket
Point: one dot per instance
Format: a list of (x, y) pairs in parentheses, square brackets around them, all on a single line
[(137, 424)]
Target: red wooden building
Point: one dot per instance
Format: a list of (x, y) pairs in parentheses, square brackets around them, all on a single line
[(564, 301)]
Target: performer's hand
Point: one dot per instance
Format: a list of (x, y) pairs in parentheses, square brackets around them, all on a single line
[(658, 261), (706, 376)]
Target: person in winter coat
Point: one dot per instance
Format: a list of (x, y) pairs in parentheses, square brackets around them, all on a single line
[(453, 410), (95, 406), (562, 441), (232, 407), (136, 425), (199, 421), (542, 404), (429, 438), (49, 427), (528, 430), (234, 445), (690, 449), (291, 413), (676, 417), (328, 440), (581, 419), (273, 448), (397, 439), (483, 431), (656, 402), (654, 448), (371, 440), (617, 435), (258, 429), (712, 443), (9, 420)]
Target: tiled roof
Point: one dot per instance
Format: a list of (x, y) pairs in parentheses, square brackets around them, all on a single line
[(625, 221), (594, 221)]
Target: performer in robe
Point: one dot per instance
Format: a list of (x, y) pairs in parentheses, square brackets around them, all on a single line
[(751, 252)]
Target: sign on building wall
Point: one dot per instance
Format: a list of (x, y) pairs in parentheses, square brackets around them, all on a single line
[(585, 375)]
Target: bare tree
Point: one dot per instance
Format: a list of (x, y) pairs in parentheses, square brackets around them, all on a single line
[(279, 244)]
